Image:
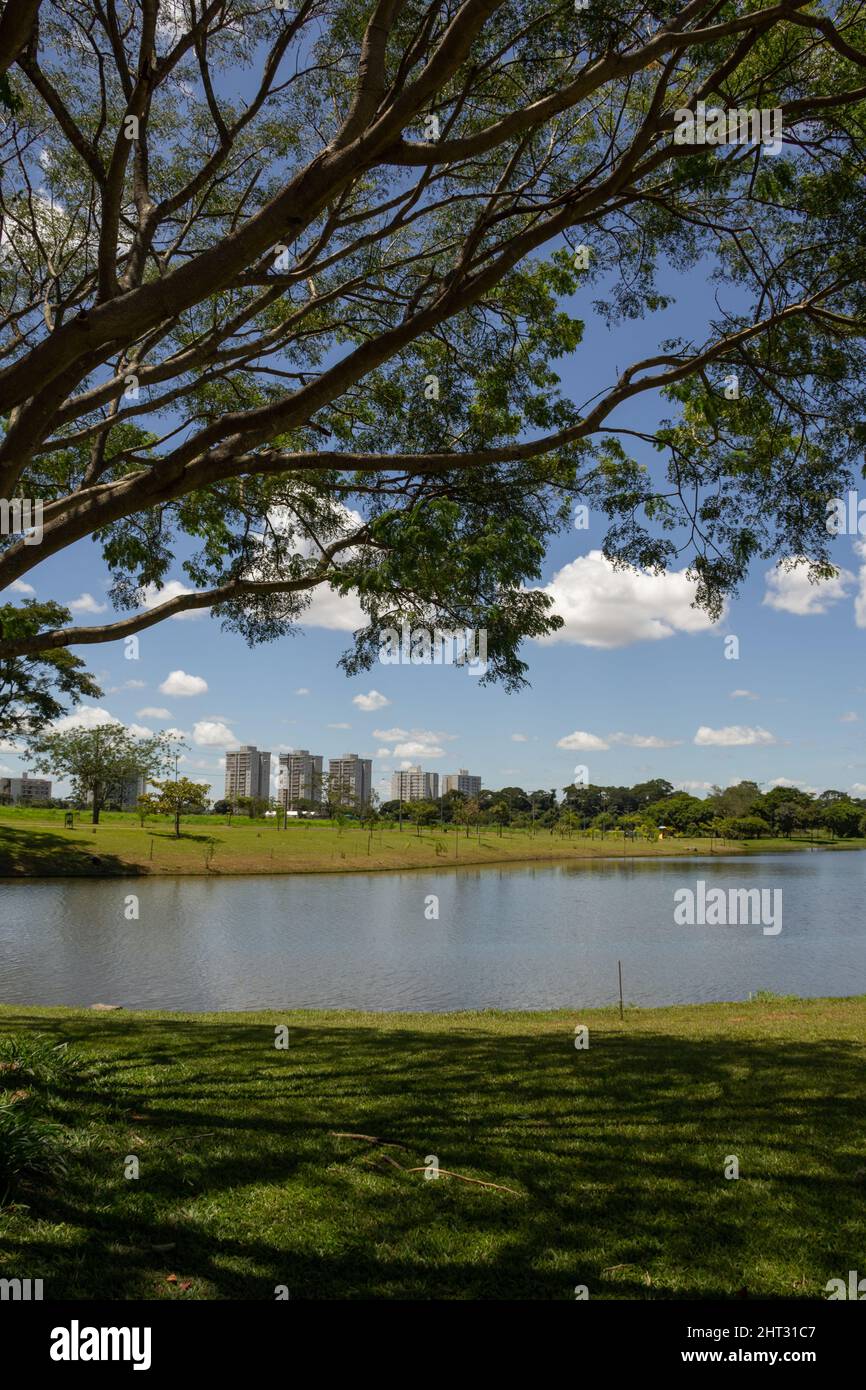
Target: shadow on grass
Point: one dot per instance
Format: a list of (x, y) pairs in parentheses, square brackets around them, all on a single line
[(51, 855), (617, 1153)]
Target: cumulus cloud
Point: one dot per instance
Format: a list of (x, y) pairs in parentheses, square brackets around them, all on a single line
[(370, 702), (127, 685), (606, 607), (581, 741), (180, 683), (152, 597), (139, 731), (744, 695), (153, 712), (412, 744), (339, 726), (18, 586), (519, 738), (86, 604), (418, 748), (85, 717), (791, 591), (212, 733), (644, 741), (849, 718), (302, 690), (733, 736)]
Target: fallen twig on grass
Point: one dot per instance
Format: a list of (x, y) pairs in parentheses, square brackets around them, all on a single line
[(444, 1172)]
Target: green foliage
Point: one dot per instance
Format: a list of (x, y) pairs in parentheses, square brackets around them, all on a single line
[(99, 760), (34, 690)]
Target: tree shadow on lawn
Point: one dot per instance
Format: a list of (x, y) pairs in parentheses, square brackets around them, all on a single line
[(42, 853), (617, 1154)]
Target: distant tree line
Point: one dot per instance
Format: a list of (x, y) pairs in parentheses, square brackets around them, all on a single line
[(742, 811)]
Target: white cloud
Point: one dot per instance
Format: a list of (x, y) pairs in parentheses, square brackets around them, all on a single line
[(382, 753), (302, 690), (418, 748), (744, 695), (733, 736), (519, 738), (127, 685), (211, 733), (339, 726), (691, 786), (86, 604), (790, 590), (607, 607), (791, 782), (179, 683), (849, 718), (152, 597), (85, 717), (583, 742), (858, 788), (139, 731), (19, 587), (644, 741), (372, 701), (413, 744), (153, 712)]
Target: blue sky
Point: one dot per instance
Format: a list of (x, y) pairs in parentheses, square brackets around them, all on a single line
[(636, 686)]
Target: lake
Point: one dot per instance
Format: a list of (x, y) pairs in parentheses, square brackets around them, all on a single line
[(522, 937)]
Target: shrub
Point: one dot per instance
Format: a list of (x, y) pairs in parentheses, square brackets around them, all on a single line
[(29, 1145), (37, 1060)]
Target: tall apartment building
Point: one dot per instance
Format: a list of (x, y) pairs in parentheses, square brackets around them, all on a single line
[(24, 790), (350, 779), (299, 777), (411, 784), (464, 782), (130, 790), (248, 773)]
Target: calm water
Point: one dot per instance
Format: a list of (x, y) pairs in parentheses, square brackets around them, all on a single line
[(516, 938)]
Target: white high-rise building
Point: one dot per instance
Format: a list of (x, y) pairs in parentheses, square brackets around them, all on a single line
[(412, 784), (248, 773), (350, 780), (24, 790), (462, 781), (299, 777)]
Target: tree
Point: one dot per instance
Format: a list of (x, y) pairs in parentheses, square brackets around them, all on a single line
[(423, 813), (30, 686), (181, 797), (309, 336), (743, 828), (99, 761), (842, 818), (147, 805)]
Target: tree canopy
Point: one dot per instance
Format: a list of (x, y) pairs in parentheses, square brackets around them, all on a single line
[(284, 294)]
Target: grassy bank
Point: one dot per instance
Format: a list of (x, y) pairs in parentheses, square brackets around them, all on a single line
[(35, 844), (613, 1156)]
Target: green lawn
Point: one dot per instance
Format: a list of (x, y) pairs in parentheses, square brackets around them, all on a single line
[(616, 1154), (34, 843)]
